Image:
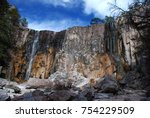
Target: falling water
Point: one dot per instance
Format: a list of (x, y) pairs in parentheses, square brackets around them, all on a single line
[(34, 49)]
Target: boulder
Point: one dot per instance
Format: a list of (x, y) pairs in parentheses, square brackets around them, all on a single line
[(88, 91), (131, 95), (68, 80), (3, 82), (17, 89), (80, 97), (58, 76), (12, 88), (34, 83), (102, 96), (131, 80), (62, 84), (4, 96), (61, 95), (107, 85)]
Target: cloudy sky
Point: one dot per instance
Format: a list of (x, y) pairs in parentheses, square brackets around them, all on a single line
[(57, 15)]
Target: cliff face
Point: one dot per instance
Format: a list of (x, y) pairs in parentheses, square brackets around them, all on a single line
[(79, 51), (35, 54), (98, 62), (82, 53)]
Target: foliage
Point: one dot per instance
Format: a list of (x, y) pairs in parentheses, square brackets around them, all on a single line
[(9, 21), (109, 19), (24, 22), (13, 15), (96, 21), (3, 7)]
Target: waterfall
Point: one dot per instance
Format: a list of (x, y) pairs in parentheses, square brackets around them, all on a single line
[(34, 49)]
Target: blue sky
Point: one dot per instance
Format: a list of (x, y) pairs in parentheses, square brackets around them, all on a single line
[(57, 15)]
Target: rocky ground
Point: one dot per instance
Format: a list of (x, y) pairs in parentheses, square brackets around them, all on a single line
[(60, 89)]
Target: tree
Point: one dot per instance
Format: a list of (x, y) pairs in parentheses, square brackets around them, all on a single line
[(24, 22), (3, 7), (9, 22), (109, 19), (96, 21), (14, 15)]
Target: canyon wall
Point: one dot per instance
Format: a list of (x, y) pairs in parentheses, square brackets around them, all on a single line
[(80, 52)]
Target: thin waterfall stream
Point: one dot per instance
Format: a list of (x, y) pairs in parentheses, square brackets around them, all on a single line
[(34, 49)]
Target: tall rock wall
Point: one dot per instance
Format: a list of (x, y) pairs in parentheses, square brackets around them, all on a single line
[(77, 51)]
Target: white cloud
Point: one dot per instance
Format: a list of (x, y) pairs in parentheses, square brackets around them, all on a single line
[(64, 3), (99, 8), (102, 8), (56, 25)]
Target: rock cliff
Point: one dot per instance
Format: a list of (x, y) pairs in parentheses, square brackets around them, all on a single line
[(89, 52), (81, 63)]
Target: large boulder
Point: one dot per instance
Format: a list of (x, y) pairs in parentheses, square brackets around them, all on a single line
[(107, 85), (132, 80), (4, 82), (14, 89), (4, 96), (68, 80), (87, 91), (34, 83)]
